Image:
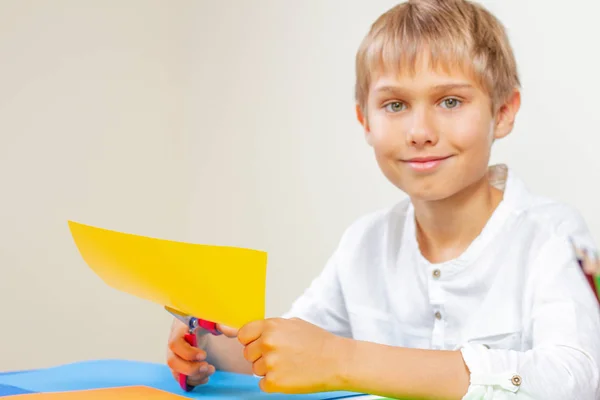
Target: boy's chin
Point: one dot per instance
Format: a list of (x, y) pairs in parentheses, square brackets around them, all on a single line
[(436, 193), (429, 196)]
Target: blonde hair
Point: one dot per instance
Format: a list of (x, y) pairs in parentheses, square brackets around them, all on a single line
[(456, 33)]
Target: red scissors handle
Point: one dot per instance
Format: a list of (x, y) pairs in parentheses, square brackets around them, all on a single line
[(211, 327), (183, 379), (192, 339)]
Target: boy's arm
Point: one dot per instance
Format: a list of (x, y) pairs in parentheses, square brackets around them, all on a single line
[(563, 364), (297, 357), (565, 332), (406, 373)]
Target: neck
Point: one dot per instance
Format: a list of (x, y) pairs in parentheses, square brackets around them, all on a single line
[(445, 228)]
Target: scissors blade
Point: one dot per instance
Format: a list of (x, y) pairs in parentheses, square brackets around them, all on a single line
[(186, 319), (194, 323)]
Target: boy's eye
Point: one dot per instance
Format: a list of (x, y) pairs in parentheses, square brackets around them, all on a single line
[(451, 103), (396, 106)]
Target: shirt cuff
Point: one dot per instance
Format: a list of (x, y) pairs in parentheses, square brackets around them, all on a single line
[(484, 381)]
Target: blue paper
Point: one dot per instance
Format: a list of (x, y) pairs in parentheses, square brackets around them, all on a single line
[(6, 390), (119, 373)]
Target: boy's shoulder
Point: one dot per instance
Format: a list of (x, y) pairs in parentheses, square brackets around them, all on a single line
[(547, 216)]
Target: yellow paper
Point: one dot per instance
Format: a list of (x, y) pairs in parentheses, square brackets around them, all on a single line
[(216, 283), (125, 393)]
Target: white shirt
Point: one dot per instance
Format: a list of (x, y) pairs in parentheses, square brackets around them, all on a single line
[(516, 302)]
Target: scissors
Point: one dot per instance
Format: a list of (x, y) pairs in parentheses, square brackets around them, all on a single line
[(193, 324)]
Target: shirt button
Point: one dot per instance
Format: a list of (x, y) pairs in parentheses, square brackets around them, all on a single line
[(438, 315), (437, 273), (516, 380)]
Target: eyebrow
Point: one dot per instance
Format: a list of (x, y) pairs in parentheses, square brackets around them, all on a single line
[(439, 88), (451, 86)]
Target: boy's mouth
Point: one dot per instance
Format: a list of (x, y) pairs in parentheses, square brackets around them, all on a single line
[(425, 164)]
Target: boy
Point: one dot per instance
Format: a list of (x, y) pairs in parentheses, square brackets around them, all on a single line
[(468, 290)]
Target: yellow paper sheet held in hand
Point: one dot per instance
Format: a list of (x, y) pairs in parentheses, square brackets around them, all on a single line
[(216, 283)]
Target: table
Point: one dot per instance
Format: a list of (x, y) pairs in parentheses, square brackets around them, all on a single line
[(98, 374)]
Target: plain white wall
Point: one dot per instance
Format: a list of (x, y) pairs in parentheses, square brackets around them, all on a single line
[(227, 122), (91, 129)]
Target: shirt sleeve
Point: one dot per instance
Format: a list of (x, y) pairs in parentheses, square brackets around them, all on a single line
[(564, 360), (572, 225), (323, 304)]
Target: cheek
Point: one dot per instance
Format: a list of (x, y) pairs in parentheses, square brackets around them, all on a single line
[(385, 136), (471, 133)]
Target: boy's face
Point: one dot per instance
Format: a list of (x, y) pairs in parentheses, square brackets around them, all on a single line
[(432, 131)]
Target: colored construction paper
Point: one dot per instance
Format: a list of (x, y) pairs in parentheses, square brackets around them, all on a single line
[(124, 393), (369, 397), (120, 373), (8, 390), (216, 283)]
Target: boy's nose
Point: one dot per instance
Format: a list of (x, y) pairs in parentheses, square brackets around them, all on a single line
[(421, 131)]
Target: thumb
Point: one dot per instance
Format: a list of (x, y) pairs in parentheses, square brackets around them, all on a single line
[(227, 330)]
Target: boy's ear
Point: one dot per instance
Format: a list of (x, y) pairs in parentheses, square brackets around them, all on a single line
[(506, 115), (363, 121)]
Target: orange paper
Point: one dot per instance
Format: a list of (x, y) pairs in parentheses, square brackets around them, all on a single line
[(124, 393)]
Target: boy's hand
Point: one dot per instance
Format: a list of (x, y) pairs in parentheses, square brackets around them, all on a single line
[(294, 356), (183, 358)]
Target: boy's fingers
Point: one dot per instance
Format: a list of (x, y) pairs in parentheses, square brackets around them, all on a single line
[(202, 378), (250, 332), (252, 352), (199, 382), (227, 330), (197, 379), (259, 368), (185, 351), (189, 368)]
